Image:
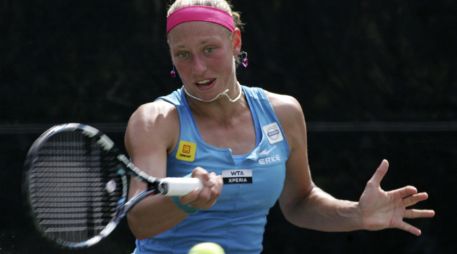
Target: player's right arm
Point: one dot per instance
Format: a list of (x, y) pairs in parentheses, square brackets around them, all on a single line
[(147, 142), (152, 132)]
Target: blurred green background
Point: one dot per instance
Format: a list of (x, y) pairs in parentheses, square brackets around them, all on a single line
[(376, 79)]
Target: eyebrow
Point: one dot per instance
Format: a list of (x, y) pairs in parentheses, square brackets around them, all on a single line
[(203, 42)]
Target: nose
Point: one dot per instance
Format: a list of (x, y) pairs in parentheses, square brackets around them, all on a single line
[(199, 65)]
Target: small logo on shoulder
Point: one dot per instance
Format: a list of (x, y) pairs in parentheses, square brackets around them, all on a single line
[(273, 133), (186, 151)]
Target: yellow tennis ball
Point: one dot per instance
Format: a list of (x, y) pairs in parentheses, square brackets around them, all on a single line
[(206, 248)]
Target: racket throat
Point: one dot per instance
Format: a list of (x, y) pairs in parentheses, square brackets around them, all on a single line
[(153, 188), (123, 210)]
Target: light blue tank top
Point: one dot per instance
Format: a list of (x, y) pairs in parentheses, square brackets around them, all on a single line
[(252, 182)]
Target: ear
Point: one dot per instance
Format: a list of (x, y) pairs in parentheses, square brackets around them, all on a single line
[(236, 41), (170, 52)]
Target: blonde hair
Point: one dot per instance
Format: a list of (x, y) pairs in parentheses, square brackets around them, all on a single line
[(220, 4)]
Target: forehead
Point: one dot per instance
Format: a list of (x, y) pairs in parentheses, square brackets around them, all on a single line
[(196, 32)]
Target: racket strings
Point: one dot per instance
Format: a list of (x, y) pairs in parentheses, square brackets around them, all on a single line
[(74, 187)]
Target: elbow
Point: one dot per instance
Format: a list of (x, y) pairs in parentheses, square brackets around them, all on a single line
[(290, 213), (290, 217), (137, 228), (295, 209)]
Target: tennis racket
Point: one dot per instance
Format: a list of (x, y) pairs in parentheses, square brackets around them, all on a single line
[(76, 183)]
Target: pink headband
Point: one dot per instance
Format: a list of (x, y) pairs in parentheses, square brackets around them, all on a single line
[(200, 13)]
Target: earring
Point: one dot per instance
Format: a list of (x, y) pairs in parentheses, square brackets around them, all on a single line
[(244, 59), (173, 72)]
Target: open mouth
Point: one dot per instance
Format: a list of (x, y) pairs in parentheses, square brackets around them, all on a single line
[(205, 84)]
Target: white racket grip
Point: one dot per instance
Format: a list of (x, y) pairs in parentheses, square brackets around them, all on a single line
[(179, 186)]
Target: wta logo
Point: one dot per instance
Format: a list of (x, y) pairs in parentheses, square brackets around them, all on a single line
[(237, 176)]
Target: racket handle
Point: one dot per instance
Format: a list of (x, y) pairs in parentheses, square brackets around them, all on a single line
[(178, 186)]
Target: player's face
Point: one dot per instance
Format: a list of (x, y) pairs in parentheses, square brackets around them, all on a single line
[(203, 54)]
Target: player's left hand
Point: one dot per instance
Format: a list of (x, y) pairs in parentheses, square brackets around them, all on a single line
[(387, 209)]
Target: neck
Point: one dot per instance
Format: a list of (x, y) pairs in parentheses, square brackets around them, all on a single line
[(221, 94), (223, 108)]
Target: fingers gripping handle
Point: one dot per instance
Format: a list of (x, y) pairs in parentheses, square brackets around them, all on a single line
[(179, 186)]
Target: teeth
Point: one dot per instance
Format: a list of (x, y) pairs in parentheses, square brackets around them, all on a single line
[(204, 82)]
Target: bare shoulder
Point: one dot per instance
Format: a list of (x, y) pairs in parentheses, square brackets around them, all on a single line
[(152, 123), (287, 108), (150, 114)]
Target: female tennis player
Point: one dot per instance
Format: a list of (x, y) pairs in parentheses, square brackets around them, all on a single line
[(248, 146)]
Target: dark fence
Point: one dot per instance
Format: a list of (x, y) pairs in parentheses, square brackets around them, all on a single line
[(343, 156)]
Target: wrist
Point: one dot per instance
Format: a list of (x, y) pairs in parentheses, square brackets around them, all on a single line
[(351, 212), (183, 207)]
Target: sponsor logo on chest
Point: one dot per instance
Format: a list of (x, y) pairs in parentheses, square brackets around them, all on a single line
[(237, 176), (270, 159)]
